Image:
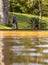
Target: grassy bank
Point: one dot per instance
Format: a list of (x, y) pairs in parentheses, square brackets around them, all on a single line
[(4, 27), (24, 19)]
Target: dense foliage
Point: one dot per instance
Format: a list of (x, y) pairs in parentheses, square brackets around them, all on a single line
[(28, 6)]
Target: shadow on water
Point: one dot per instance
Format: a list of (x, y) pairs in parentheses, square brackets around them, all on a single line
[(25, 51)]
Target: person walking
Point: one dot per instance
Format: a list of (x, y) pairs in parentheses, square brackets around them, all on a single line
[(14, 23)]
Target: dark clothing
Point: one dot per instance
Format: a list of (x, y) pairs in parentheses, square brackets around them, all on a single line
[(14, 19), (14, 22)]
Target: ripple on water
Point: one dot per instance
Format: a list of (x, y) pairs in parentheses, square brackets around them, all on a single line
[(18, 48), (43, 46), (18, 42), (45, 60), (25, 64), (43, 39), (45, 51), (32, 54)]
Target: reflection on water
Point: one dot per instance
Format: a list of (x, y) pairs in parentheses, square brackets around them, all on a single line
[(25, 51), (25, 64)]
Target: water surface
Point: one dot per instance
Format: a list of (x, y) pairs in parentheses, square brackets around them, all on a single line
[(25, 51)]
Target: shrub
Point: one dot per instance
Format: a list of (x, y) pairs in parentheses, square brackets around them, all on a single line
[(9, 24), (37, 23)]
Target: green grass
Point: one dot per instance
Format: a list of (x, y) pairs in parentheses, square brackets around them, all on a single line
[(24, 19), (4, 27)]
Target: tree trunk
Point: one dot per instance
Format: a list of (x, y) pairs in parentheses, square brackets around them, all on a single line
[(40, 9), (40, 12), (4, 12)]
